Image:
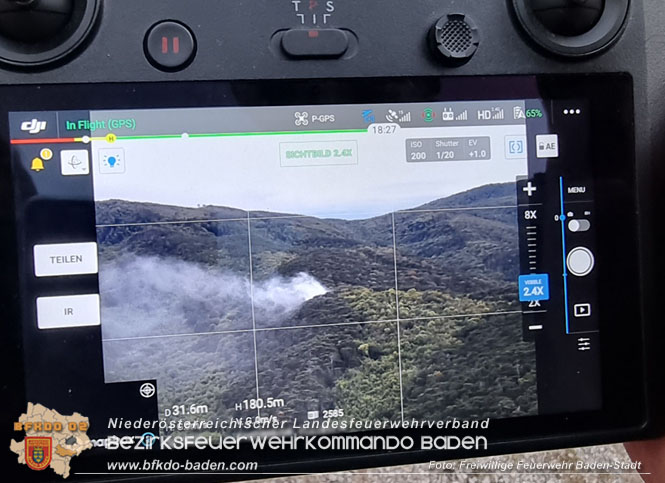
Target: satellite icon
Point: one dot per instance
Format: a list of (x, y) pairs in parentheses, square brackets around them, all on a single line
[(392, 116), (398, 116)]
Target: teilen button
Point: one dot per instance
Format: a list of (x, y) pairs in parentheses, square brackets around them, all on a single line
[(65, 259), (170, 45), (315, 42)]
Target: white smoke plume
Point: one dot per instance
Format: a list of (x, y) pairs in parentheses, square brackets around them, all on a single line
[(283, 295), (143, 296)]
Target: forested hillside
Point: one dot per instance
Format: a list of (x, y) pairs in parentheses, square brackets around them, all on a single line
[(321, 294)]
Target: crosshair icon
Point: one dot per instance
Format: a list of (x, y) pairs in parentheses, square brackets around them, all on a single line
[(147, 390)]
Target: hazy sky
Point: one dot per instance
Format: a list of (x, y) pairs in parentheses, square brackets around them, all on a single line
[(247, 173)]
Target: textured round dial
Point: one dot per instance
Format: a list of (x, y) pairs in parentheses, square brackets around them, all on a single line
[(454, 38)]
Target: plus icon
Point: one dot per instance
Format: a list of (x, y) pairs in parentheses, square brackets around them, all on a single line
[(529, 189)]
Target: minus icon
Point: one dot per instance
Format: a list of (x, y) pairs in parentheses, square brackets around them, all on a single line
[(535, 327)]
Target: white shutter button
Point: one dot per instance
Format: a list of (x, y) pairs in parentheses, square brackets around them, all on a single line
[(580, 261)]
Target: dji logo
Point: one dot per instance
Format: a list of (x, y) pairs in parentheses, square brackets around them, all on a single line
[(34, 126)]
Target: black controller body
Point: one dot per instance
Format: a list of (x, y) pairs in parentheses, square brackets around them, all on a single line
[(324, 39)]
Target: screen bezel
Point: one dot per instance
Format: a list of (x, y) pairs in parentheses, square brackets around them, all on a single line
[(610, 98)]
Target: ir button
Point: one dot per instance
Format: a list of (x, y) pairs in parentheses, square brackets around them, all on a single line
[(170, 45)]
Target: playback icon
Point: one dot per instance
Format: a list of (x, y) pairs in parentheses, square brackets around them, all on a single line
[(582, 310)]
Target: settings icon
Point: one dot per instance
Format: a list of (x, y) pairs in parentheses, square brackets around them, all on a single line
[(302, 118)]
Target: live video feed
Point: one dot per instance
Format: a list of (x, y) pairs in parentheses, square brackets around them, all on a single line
[(314, 292)]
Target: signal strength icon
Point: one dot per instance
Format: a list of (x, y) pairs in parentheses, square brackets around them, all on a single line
[(464, 116), (498, 113), (405, 118)]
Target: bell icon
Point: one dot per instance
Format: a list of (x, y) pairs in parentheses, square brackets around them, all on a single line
[(37, 165)]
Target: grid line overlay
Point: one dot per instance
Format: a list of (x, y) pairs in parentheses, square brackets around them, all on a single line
[(251, 294), (399, 341), (398, 320), (314, 326)]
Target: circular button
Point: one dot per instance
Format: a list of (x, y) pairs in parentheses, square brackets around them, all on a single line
[(580, 261), (170, 45)]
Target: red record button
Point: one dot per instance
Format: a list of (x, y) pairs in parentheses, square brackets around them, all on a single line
[(170, 45)]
